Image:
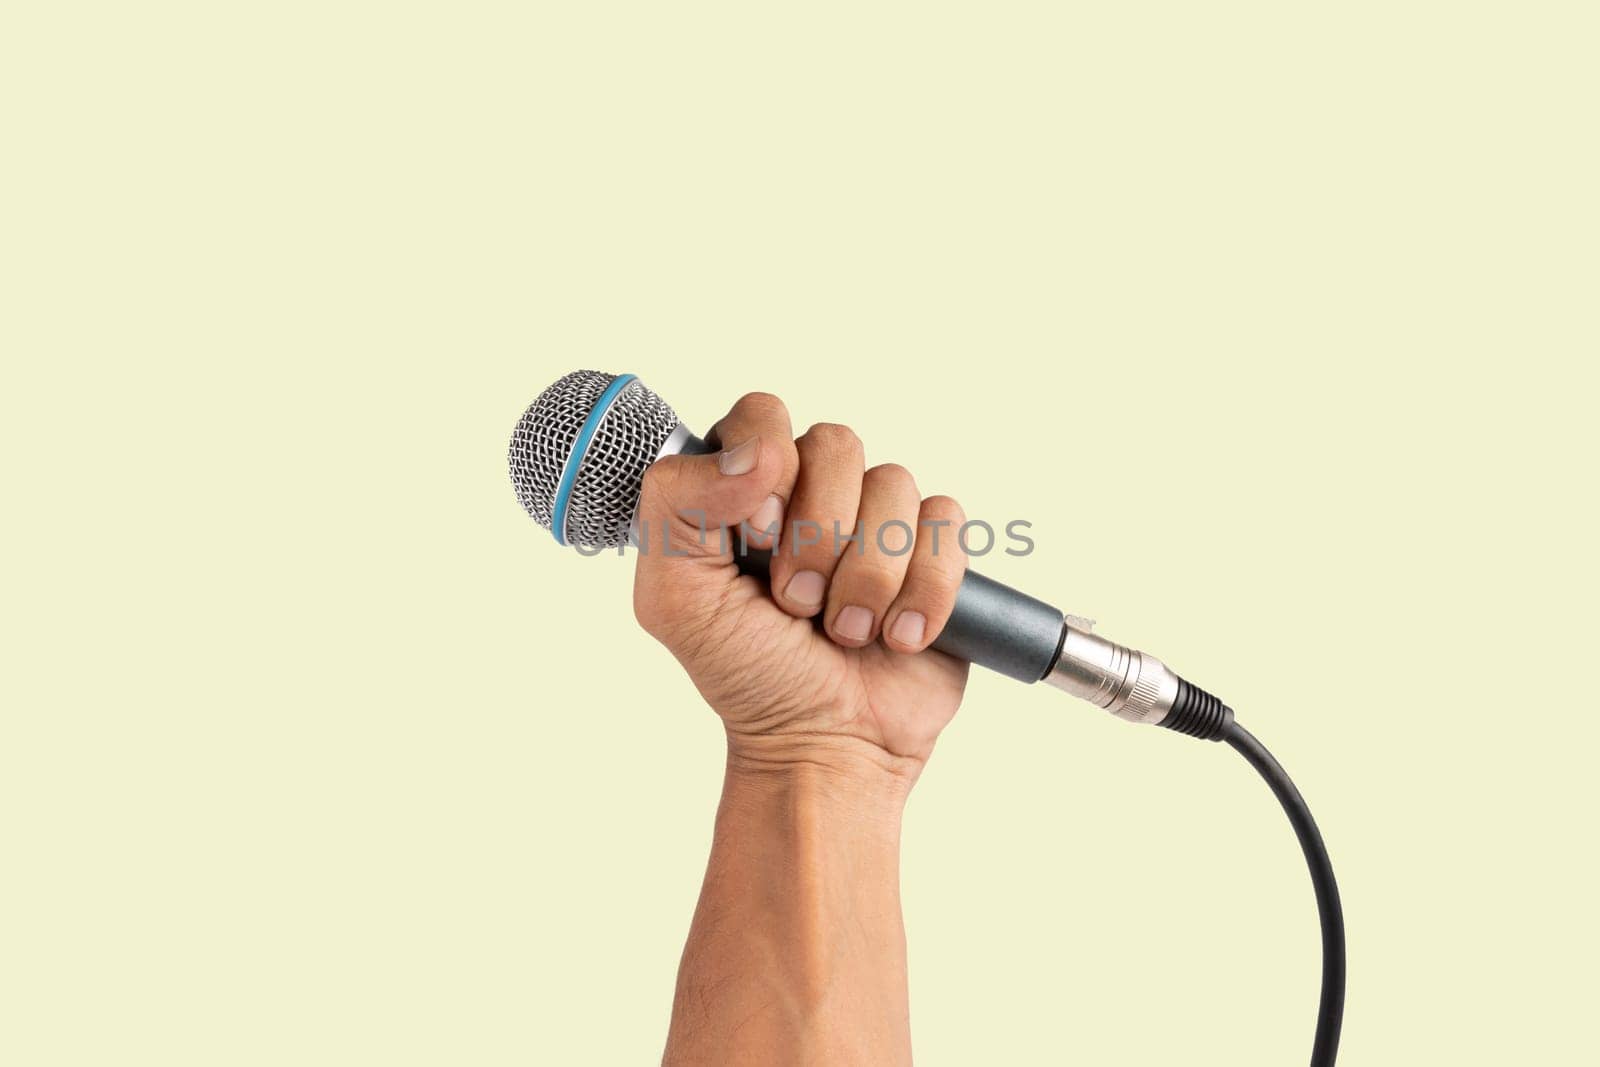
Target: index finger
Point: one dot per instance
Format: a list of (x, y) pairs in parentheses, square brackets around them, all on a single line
[(764, 416)]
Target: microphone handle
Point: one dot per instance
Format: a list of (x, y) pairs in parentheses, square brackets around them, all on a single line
[(992, 624)]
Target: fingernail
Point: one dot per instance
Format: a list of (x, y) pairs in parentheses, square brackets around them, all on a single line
[(854, 623), (740, 459), (909, 628), (805, 589), (767, 518)]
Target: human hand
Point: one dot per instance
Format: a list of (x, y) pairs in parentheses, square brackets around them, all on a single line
[(862, 685)]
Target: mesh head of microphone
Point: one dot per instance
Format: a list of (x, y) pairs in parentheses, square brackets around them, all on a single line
[(579, 453)]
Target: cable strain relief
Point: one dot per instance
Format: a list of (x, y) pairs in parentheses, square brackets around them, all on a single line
[(1198, 714)]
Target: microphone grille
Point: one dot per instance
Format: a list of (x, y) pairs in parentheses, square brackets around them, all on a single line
[(619, 426)]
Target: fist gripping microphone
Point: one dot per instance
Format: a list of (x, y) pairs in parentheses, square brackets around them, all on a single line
[(578, 457)]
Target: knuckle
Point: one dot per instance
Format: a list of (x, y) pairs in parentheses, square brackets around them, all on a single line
[(943, 507), (891, 475), (833, 438), (759, 403)]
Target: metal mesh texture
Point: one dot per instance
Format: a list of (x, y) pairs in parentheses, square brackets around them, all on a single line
[(605, 493)]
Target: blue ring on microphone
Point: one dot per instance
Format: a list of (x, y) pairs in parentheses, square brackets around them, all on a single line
[(569, 473)]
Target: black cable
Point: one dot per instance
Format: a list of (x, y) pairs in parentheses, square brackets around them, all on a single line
[(1330, 1011), (1199, 714)]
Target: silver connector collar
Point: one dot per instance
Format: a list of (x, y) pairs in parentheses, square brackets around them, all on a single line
[(1129, 684)]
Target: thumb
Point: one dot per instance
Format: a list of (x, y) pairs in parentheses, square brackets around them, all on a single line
[(688, 529), (690, 507)]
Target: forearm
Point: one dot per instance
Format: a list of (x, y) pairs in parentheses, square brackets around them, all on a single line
[(797, 950)]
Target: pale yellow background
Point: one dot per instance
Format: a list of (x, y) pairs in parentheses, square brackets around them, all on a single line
[(1277, 321)]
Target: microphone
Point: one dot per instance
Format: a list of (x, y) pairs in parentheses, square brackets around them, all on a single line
[(578, 457)]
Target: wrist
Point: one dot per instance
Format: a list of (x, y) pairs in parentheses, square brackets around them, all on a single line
[(835, 766)]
